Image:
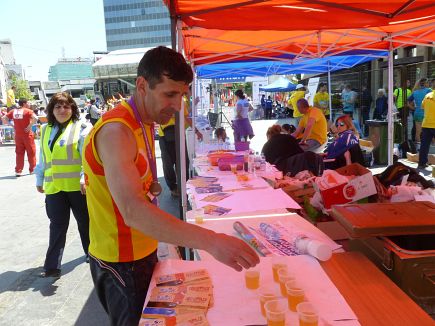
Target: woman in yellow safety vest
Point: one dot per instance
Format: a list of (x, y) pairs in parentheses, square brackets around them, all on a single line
[(59, 176)]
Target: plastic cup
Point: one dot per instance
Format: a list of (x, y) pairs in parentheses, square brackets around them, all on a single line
[(199, 215), (308, 315), (275, 312), (277, 263), (285, 276), (233, 167), (252, 279), (266, 295), (295, 295)]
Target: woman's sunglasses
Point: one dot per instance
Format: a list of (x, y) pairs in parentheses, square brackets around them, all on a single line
[(342, 124)]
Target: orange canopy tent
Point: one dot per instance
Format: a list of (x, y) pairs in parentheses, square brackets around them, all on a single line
[(292, 30)]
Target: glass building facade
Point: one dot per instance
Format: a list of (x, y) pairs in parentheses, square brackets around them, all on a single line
[(71, 69), (136, 24)]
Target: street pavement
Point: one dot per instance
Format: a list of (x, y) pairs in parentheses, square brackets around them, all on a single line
[(26, 299)]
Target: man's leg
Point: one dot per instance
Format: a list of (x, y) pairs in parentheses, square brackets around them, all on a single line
[(122, 287), (426, 138), (20, 149), (310, 145), (80, 210), (168, 163), (58, 211), (31, 151)]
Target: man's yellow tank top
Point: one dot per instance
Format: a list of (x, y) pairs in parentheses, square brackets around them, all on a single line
[(111, 239)]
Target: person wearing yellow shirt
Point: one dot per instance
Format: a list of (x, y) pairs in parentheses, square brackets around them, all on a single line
[(321, 100), (428, 126), (10, 101), (297, 95), (168, 148), (312, 129)]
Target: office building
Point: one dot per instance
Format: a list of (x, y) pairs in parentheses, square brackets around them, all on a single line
[(136, 24), (71, 68)]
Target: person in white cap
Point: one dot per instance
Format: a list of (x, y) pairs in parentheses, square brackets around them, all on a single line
[(297, 95)]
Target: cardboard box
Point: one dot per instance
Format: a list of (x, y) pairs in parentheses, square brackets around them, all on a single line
[(414, 158), (366, 145), (361, 186), (333, 229)]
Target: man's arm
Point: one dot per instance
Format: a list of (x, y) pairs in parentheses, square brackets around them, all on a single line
[(189, 122), (33, 119), (298, 131), (308, 128), (142, 215)]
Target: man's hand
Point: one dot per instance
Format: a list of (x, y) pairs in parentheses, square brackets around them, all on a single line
[(83, 188), (40, 189), (233, 252), (198, 135), (28, 128)]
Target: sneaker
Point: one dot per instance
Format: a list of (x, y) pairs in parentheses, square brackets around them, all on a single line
[(423, 166), (50, 273), (18, 174), (31, 172)]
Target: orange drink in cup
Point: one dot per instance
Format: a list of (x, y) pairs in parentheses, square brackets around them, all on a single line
[(275, 312), (284, 276), (252, 279), (295, 295), (277, 263), (265, 296), (233, 167), (308, 315)]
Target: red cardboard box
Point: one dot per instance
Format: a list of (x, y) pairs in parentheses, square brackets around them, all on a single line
[(361, 186)]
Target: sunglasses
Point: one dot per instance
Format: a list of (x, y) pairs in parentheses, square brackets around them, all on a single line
[(342, 124)]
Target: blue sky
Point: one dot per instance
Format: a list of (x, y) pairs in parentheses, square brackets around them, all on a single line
[(39, 29)]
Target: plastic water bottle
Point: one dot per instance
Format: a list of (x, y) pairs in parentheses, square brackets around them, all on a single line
[(313, 248), (262, 162)]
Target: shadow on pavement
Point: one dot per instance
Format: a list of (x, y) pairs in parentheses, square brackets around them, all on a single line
[(12, 281), (8, 177), (92, 313)]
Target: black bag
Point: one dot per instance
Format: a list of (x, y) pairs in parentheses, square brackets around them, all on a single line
[(88, 116), (169, 133)]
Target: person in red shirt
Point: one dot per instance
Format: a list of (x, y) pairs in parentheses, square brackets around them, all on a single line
[(23, 119)]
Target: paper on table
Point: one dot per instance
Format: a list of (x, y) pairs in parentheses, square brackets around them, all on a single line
[(291, 221), (255, 200), (229, 291)]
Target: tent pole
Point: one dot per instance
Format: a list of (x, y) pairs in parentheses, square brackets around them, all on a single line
[(182, 137), (329, 92), (194, 115), (390, 105)]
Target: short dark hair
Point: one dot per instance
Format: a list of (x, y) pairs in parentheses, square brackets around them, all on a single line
[(239, 94), (62, 98), (288, 127), (92, 101), (22, 101), (164, 61), (322, 84)]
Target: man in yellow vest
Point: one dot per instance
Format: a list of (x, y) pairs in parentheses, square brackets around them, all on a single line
[(10, 100), (121, 186), (294, 98), (168, 150)]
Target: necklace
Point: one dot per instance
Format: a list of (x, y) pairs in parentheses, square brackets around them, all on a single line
[(155, 188)]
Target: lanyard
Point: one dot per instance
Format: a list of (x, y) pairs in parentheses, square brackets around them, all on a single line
[(151, 160)]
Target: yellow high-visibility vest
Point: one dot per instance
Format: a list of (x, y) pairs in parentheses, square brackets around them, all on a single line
[(63, 164)]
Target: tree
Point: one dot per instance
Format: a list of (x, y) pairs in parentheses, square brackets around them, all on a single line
[(22, 88)]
